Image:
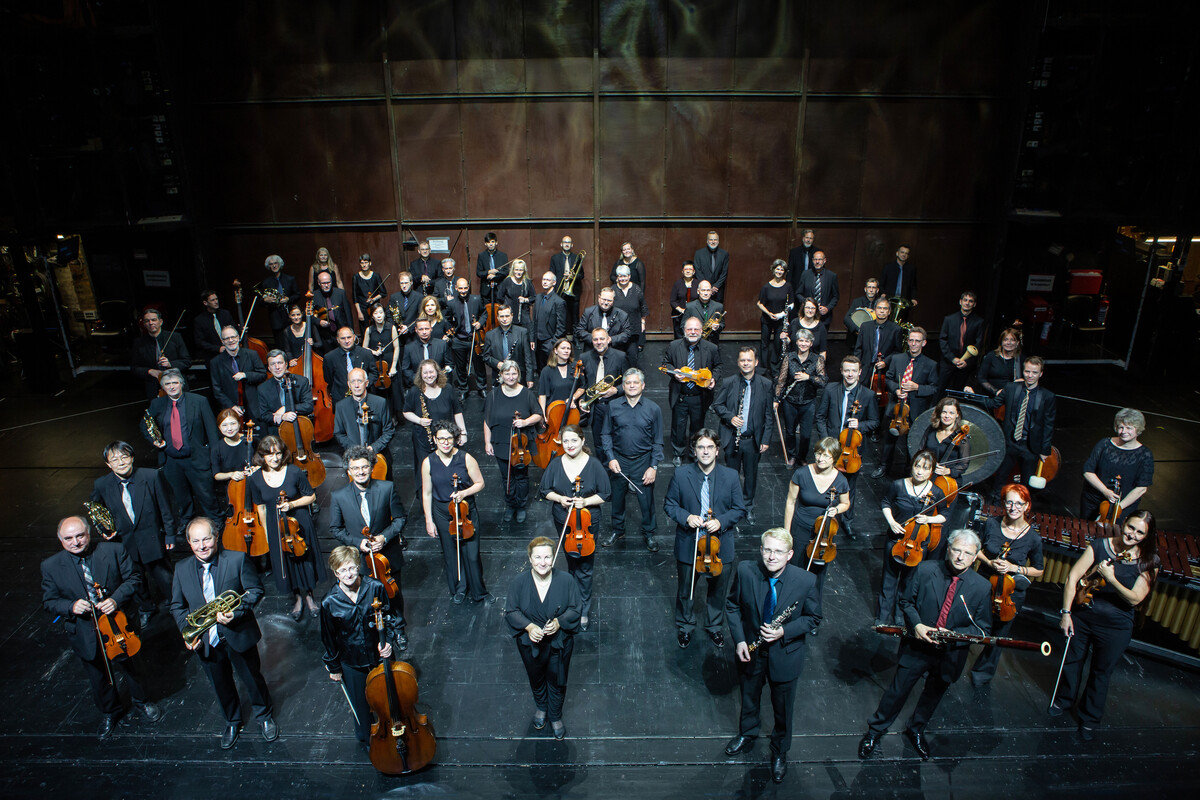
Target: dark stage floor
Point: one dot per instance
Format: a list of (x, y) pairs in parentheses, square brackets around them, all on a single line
[(644, 718)]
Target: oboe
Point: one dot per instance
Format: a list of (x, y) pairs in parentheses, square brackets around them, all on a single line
[(780, 618), (425, 415)]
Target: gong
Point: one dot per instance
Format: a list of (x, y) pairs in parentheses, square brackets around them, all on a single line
[(985, 436)]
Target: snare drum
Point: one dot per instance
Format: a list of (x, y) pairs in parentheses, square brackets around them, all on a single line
[(861, 316)]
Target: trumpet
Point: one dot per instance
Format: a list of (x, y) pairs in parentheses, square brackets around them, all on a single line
[(151, 427), (205, 616), (711, 323), (571, 275), (101, 519), (594, 393)]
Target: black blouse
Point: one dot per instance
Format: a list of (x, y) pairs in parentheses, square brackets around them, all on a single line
[(1107, 461), (811, 503), (945, 451), (1024, 550), (498, 410), (682, 294), (775, 298), (562, 601), (509, 293), (347, 628), (996, 372), (445, 406), (905, 506), (593, 481), (553, 386), (364, 287)]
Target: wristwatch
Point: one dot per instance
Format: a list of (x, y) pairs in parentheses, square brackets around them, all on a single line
[(1064, 611)]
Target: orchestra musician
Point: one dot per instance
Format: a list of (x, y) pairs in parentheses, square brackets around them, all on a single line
[(899, 277), (742, 404), (426, 347), (437, 492), (323, 264), (800, 257), (808, 500), (808, 319), (683, 292), (427, 402), (1120, 456), (910, 498), (444, 285), (431, 311), (706, 309), (836, 412), (348, 426), (960, 330), (516, 292), (283, 396), (207, 334), (549, 320), (465, 313), (296, 335), (233, 642), (346, 356), (879, 339), (558, 486), (712, 264), (233, 367), (559, 264), (152, 353), (759, 593), (406, 300), (337, 314), (631, 299), (424, 269), (821, 285), (798, 386), (382, 338), (603, 315), (705, 500), (600, 362), (509, 342), (1030, 412), (558, 376), (637, 269), (869, 296), (68, 592), (491, 267), (631, 440), (543, 612), (689, 401), (1000, 366), (510, 408), (367, 289), (189, 432), (286, 292), (942, 595), (911, 377), (945, 423), (774, 299)]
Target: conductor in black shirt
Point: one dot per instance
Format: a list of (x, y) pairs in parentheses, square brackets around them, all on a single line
[(742, 404)]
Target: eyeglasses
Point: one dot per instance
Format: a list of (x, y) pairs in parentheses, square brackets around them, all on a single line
[(119, 459), (443, 438), (364, 468), (769, 553), (1014, 503)]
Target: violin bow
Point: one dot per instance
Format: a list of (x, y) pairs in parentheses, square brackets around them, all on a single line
[(246, 322), (562, 535), (342, 684), (100, 638), (1063, 663)]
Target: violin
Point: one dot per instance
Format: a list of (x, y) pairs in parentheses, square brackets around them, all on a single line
[(379, 468), (559, 414), (708, 550), (1003, 586), (402, 741), (519, 452), (298, 436), (947, 484), (1110, 512), (900, 421), (879, 385), (910, 548), (243, 530), (579, 539), (701, 377), (461, 526), (119, 639), (821, 548), (1093, 580), (289, 531), (312, 366), (381, 568), (384, 381), (489, 321), (850, 438)]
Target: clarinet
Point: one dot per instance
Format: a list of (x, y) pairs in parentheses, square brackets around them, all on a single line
[(737, 433), (780, 618), (425, 414)]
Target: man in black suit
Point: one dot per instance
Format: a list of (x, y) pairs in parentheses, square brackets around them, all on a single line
[(940, 595), (364, 503), (424, 269), (836, 412), (206, 327), (600, 362), (508, 342), (283, 396), (879, 339), (68, 592), (800, 258), (443, 285), (867, 301), (900, 277), (631, 298), (236, 375), (346, 356), (704, 308), (337, 311), (137, 501), (705, 500), (821, 285), (348, 428), (912, 377), (464, 317), (712, 264), (232, 643), (603, 315), (742, 404), (154, 352), (289, 292), (421, 348), (689, 401), (960, 330), (1029, 417), (491, 267), (559, 264), (187, 449), (405, 303), (759, 593), (549, 314)]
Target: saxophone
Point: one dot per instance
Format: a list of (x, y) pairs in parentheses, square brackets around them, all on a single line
[(151, 427), (101, 519)]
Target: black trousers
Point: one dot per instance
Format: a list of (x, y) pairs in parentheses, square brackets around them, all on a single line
[(770, 349), (891, 583), (985, 666), (890, 445), (914, 663), (687, 417), (158, 573), (711, 590), (463, 354), (951, 377), (582, 567), (745, 461), (634, 471), (547, 671), (356, 686), (108, 699), (1107, 636), (1018, 455), (464, 553), (793, 416), (516, 487), (852, 483), (191, 485), (220, 663), (783, 701)]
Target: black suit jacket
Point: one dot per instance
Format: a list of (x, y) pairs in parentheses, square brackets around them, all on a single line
[(233, 571), (337, 375), (891, 341), (443, 289), (407, 315), (518, 350), (424, 266), (829, 290), (199, 422), (888, 282), (414, 354), (62, 585), (712, 267), (701, 312), (615, 363), (925, 375), (549, 319), (483, 263), (726, 407), (829, 409), (725, 499), (340, 314), (799, 262), (744, 606), (287, 286), (380, 430), (345, 516), (921, 601), (204, 334), (951, 349), (558, 265), (299, 400), (589, 320), (454, 313), (676, 356), (155, 523), (143, 357), (225, 388), (1039, 417)]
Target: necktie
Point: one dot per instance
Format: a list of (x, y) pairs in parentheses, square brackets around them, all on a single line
[(425, 347), (599, 369), (506, 350), (949, 601), (404, 299), (235, 366), (127, 499), (210, 594), (817, 288), (89, 582), (962, 336), (492, 259), (705, 497), (845, 402), (745, 409), (349, 365), (769, 603), (362, 507), (217, 325), (604, 321), (283, 394), (878, 352), (899, 279), (1019, 428), (176, 426), (692, 357), (908, 371), (466, 318)]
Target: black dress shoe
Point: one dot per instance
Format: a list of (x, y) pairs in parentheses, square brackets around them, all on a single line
[(1086, 733), (520, 515), (878, 472), (270, 730), (778, 768), (676, 461), (560, 730), (107, 723), (1055, 710), (739, 744), (651, 545), (230, 736), (510, 514), (144, 619), (488, 599), (866, 745), (539, 720), (611, 539), (918, 742), (459, 598), (401, 642), (685, 638), (297, 614), (151, 712), (750, 517), (583, 623), (403, 543), (717, 638)]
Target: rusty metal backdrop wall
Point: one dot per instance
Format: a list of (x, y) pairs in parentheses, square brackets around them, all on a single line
[(357, 125)]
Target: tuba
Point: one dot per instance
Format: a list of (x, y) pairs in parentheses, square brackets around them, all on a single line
[(711, 324), (205, 616), (594, 393), (101, 519), (571, 275)]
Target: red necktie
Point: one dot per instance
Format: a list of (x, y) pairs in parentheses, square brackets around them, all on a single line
[(908, 371), (949, 601), (962, 335), (176, 427)]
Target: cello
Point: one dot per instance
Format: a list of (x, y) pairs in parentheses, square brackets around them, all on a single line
[(115, 634), (243, 530), (821, 547), (947, 484), (402, 741), (578, 538), (290, 539), (461, 525), (910, 548), (708, 553), (298, 436), (312, 366), (381, 568), (850, 439), (559, 414)]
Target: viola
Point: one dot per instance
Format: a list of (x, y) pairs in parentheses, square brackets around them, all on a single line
[(578, 538), (947, 484), (489, 321), (312, 366), (243, 530), (850, 461), (298, 436), (900, 421), (119, 639), (708, 550), (461, 526), (821, 548), (290, 539), (384, 381), (559, 414), (518, 449), (701, 377), (402, 741), (381, 568), (912, 545), (1003, 586), (1110, 512)]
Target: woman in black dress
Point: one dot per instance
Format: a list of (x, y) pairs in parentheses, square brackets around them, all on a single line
[(295, 334), (809, 320), (558, 376), (905, 499), (1128, 561), (945, 422), (510, 407), (431, 310), (323, 262), (380, 338), (543, 611), (637, 269), (232, 454), (774, 299), (682, 293), (464, 570), (367, 289), (1001, 366), (808, 499), (277, 474), (1011, 546), (516, 292), (1121, 456), (428, 402), (558, 486)]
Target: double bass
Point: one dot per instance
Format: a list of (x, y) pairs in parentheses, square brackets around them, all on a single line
[(402, 741), (559, 414), (298, 436), (821, 547), (312, 366), (243, 530), (850, 439)]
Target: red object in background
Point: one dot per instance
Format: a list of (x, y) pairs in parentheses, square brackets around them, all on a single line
[(1039, 316), (1085, 281)]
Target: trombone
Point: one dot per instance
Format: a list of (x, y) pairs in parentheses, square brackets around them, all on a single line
[(571, 275)]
